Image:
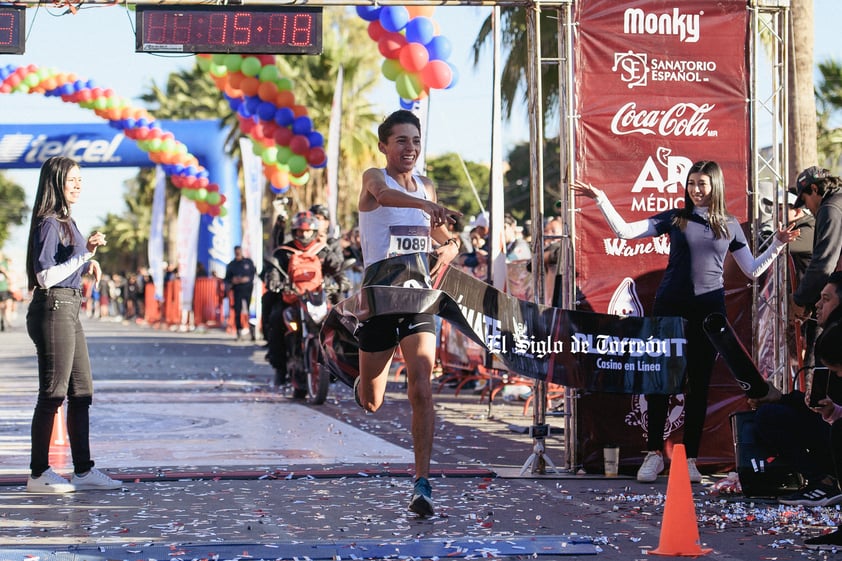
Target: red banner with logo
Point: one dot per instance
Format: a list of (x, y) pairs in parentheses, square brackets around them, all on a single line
[(659, 86)]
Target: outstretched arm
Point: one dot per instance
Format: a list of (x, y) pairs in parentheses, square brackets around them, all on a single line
[(622, 229)]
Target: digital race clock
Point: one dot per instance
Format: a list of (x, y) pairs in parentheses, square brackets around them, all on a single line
[(229, 29), (12, 35)]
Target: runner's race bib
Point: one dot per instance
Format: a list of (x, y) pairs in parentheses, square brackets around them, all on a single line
[(408, 239)]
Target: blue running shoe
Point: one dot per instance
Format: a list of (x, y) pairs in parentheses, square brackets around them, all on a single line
[(422, 498)]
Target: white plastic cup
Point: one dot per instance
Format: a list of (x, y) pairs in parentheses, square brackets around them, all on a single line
[(611, 455)]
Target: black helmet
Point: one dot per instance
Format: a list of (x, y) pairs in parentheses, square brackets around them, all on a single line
[(305, 228), (321, 210)]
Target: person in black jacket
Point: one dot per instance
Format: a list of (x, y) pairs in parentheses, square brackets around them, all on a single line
[(239, 278)]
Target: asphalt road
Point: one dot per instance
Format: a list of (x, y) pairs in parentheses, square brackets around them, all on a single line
[(217, 465)]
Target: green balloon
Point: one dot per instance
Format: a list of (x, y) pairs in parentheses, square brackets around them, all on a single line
[(218, 58), (233, 62), (269, 73), (299, 180), (270, 155), (201, 194), (284, 154), (213, 198), (203, 63), (408, 86), (297, 164), (250, 66), (391, 69), (218, 70), (284, 84)]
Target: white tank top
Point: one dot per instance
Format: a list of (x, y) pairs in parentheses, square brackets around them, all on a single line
[(388, 231)]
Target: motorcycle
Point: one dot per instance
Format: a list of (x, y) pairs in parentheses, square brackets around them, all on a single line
[(302, 321)]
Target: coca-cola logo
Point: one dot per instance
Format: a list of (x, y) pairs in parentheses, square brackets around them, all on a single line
[(680, 120)]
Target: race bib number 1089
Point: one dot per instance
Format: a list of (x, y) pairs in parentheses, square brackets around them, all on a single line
[(408, 239)]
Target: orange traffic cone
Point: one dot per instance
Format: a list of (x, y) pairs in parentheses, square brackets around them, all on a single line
[(679, 528), (59, 437)]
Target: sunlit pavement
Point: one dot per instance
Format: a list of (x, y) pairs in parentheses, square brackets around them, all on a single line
[(218, 466)]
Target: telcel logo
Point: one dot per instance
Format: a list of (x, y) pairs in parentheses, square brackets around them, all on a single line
[(37, 149)]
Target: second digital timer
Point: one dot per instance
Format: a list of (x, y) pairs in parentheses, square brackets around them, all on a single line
[(225, 29)]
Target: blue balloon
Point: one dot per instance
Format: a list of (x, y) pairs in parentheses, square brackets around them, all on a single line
[(420, 30), (266, 110), (284, 116), (407, 104), (302, 125), (252, 102), (316, 139), (67, 89), (243, 110), (394, 18), (234, 103), (369, 13), (439, 48)]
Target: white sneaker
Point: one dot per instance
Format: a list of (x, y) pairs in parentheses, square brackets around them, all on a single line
[(95, 479), (695, 475), (652, 465), (49, 482)]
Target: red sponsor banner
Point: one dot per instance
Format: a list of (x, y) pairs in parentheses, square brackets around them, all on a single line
[(659, 85)]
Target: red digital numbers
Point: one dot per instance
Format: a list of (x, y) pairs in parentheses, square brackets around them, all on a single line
[(223, 30), (12, 36)]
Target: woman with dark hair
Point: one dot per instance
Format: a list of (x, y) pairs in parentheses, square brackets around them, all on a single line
[(700, 233), (57, 256)]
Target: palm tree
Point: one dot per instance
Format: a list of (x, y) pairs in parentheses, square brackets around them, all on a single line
[(803, 151), (189, 94), (829, 98), (513, 74), (346, 45)]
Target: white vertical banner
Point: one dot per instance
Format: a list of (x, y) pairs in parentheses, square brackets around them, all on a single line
[(422, 111), (187, 249), (333, 139), (155, 248), (253, 184)]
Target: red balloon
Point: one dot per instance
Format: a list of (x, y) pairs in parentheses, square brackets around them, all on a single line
[(247, 125), (299, 144), (375, 30), (437, 74), (413, 57), (316, 156), (283, 136), (390, 44)]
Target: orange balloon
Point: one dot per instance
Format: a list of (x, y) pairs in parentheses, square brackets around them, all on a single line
[(285, 98), (415, 11), (250, 85), (220, 81), (235, 79), (232, 91), (299, 110), (267, 91)]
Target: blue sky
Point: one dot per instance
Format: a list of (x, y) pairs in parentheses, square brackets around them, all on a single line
[(98, 44)]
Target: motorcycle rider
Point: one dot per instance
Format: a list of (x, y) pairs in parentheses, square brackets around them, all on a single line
[(305, 235)]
